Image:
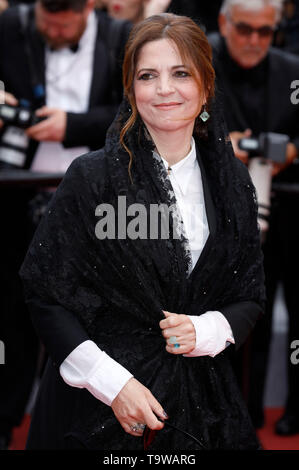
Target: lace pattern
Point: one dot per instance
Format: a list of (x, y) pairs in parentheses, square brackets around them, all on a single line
[(119, 287)]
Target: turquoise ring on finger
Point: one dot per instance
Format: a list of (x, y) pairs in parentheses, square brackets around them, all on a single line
[(173, 340)]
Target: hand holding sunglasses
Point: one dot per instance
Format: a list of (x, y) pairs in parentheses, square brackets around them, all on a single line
[(135, 407)]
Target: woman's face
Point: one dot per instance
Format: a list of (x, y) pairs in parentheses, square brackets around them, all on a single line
[(167, 95), (125, 9)]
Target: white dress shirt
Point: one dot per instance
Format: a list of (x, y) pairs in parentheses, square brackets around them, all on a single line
[(91, 368), (68, 82), (185, 178)]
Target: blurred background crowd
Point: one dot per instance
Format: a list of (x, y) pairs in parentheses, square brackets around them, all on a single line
[(60, 64)]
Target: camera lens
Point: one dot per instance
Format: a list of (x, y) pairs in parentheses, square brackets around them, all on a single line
[(24, 115)]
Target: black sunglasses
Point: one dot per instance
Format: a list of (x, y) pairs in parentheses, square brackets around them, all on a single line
[(150, 434), (245, 29)]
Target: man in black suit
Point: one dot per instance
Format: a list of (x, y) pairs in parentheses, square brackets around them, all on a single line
[(256, 83), (25, 53), (62, 59), (205, 13)]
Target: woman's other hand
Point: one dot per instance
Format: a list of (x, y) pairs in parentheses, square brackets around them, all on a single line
[(135, 405), (182, 328)]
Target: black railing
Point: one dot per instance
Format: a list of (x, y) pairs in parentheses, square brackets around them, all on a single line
[(27, 178)]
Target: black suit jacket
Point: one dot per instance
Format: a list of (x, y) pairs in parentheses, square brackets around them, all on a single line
[(281, 115), (19, 78), (205, 13)]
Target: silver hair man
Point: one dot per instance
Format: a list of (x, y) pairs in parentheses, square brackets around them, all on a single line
[(252, 5), (248, 27)]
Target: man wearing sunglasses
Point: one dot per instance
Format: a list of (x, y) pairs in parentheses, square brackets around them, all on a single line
[(255, 80)]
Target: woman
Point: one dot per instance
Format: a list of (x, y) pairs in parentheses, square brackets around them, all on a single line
[(136, 311)]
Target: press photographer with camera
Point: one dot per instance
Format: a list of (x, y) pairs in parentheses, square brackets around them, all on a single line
[(18, 122), (58, 59), (255, 80), (60, 62)]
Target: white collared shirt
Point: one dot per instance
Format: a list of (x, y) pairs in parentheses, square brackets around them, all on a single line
[(186, 181), (91, 368), (68, 83)]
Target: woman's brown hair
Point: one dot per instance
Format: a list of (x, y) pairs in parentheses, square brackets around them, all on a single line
[(192, 45)]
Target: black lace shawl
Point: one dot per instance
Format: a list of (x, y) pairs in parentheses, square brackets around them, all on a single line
[(118, 288)]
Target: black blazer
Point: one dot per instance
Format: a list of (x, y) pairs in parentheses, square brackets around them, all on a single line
[(281, 115), (82, 128)]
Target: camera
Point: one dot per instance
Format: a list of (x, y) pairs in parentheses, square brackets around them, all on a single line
[(266, 150), (18, 116), (269, 145), (14, 141)]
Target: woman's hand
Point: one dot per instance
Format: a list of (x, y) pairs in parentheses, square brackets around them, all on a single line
[(135, 405), (182, 327)]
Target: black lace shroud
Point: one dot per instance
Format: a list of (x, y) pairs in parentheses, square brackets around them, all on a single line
[(117, 288)]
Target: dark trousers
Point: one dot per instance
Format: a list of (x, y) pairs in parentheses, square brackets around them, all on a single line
[(16, 330), (281, 262)]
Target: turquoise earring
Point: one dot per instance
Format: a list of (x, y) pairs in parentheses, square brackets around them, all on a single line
[(204, 116)]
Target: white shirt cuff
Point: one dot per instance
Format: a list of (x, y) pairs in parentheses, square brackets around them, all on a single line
[(213, 334), (87, 366)]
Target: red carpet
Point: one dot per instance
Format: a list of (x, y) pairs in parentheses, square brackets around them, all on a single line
[(268, 439), (19, 435)]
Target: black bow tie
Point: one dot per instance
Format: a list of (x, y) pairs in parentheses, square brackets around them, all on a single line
[(74, 47)]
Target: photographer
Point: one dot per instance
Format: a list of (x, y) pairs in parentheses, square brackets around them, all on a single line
[(60, 62), (59, 58), (255, 80)]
